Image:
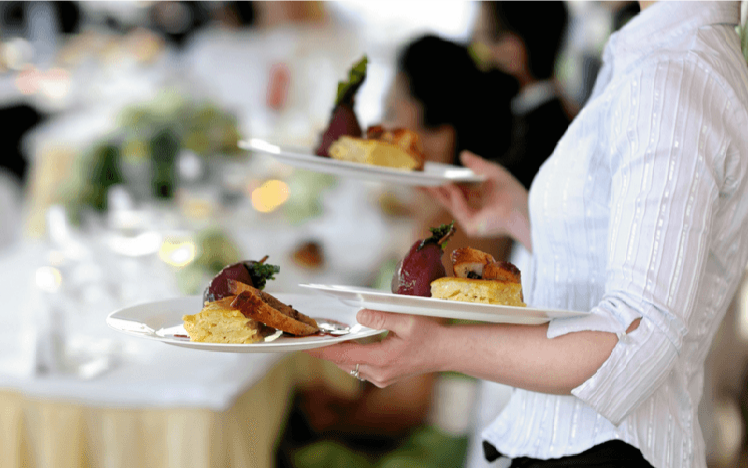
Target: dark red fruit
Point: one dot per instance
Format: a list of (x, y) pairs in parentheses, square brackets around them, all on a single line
[(219, 286), (422, 264), (342, 122), (255, 274)]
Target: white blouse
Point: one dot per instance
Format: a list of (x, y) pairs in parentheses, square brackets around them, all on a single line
[(642, 212)]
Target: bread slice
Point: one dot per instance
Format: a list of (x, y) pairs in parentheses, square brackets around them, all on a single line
[(478, 290), (218, 322), (469, 263)]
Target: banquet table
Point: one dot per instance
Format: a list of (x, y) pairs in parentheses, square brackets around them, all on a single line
[(74, 393), (136, 402), (41, 432)]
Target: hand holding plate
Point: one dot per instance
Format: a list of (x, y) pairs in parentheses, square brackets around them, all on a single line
[(410, 348), (497, 207)]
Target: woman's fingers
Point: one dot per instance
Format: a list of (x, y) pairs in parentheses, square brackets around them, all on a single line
[(379, 320), (453, 199), (478, 165), (348, 353)]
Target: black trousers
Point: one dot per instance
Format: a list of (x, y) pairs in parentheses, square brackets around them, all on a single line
[(611, 454)]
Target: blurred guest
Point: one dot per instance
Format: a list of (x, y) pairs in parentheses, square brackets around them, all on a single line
[(178, 21), (32, 30), (514, 38), (441, 94), (235, 15)]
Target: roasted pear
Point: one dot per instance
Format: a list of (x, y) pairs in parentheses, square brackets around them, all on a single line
[(422, 264), (253, 273), (343, 119)]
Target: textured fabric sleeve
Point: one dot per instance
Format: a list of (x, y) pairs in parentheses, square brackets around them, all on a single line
[(667, 138)]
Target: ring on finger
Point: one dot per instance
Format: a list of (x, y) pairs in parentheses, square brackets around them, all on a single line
[(354, 373)]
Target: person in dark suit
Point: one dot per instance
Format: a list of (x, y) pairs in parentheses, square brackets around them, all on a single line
[(513, 38)]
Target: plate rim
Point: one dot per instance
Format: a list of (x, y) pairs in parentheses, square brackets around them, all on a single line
[(365, 170), (269, 347), (443, 306)]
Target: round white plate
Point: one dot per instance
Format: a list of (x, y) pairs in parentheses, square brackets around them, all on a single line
[(162, 321), (433, 174), (367, 298)]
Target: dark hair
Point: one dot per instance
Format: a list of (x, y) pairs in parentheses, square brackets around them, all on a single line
[(443, 77), (540, 25)]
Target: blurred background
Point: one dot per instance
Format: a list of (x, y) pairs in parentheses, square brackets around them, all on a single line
[(122, 181)]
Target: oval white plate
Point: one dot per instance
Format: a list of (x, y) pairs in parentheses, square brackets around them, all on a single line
[(367, 298), (433, 174), (162, 321)]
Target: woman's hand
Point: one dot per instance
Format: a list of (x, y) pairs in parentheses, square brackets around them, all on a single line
[(410, 348), (497, 207)]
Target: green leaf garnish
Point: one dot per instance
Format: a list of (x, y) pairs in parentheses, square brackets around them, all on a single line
[(356, 76), (439, 235), (261, 273)]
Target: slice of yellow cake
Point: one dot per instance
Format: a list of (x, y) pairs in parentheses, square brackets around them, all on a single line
[(478, 290), (218, 322)]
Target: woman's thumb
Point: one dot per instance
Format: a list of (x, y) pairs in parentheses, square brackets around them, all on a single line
[(475, 162)]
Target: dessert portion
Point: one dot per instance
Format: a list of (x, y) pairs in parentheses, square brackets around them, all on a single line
[(236, 309), (479, 278), (343, 119), (422, 264), (398, 148)]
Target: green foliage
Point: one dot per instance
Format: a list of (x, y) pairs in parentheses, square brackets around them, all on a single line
[(261, 273), (356, 76), (439, 235), (105, 172), (201, 127), (164, 148)]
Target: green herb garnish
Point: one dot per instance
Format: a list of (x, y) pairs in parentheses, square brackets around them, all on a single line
[(261, 273), (439, 235), (356, 76)]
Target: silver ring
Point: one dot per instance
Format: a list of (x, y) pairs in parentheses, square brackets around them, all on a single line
[(354, 373)]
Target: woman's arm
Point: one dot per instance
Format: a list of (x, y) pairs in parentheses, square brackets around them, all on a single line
[(516, 355)]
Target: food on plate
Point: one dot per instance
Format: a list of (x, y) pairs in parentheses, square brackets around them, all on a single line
[(469, 263), (398, 148), (237, 310), (218, 322), (422, 264), (265, 308), (479, 278), (248, 272), (343, 119)]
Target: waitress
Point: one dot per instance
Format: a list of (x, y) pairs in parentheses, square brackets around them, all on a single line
[(639, 218)]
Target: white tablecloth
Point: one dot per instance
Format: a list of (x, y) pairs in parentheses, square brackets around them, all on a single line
[(144, 374)]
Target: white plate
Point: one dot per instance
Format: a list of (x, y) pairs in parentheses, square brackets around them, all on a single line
[(433, 174), (367, 298), (162, 321)]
